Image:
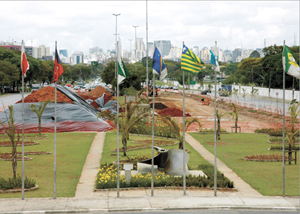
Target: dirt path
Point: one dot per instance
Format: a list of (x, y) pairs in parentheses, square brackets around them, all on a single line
[(247, 121)]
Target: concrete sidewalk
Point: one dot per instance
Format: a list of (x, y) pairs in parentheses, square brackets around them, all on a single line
[(88, 200)]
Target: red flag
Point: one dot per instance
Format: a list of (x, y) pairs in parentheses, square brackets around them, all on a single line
[(24, 61), (58, 69)]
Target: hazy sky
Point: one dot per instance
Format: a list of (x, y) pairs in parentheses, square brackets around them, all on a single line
[(80, 25)]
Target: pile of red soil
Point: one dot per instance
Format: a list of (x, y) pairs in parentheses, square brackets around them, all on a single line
[(45, 94), (173, 112), (85, 96), (98, 92)]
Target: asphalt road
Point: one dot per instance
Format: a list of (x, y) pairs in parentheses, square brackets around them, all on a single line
[(10, 99)]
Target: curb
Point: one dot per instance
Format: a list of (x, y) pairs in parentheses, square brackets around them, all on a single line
[(220, 208)]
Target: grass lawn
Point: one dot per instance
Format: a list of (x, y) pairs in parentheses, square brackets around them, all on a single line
[(265, 177), (72, 149), (111, 144)]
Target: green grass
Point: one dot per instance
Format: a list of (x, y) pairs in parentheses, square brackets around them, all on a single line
[(72, 149), (265, 177), (111, 143)]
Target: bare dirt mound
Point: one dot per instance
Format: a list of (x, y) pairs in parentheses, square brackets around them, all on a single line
[(248, 121)]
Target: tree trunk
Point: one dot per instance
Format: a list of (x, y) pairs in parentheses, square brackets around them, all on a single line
[(180, 144), (219, 130), (14, 159), (235, 125), (290, 154), (40, 126), (124, 143)]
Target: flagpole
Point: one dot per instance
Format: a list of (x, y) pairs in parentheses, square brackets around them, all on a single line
[(54, 184), (183, 130), (23, 167), (118, 127), (283, 132), (152, 154), (215, 160), (147, 82)]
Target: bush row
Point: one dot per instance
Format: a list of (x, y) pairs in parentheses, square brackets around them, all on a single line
[(107, 178), (161, 129), (13, 183)]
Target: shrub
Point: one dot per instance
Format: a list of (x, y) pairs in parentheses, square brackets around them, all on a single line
[(107, 178), (286, 148), (13, 183), (160, 129), (264, 130)]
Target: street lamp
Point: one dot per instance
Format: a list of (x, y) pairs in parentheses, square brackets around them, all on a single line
[(135, 45), (116, 44)]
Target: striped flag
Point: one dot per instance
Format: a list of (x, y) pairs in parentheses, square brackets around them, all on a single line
[(189, 61), (24, 61)]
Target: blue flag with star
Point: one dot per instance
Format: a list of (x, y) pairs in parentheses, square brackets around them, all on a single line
[(158, 65)]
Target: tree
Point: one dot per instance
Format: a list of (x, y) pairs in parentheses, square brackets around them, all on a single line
[(219, 116), (249, 66), (10, 130), (127, 120), (235, 115), (294, 112), (176, 127), (39, 111), (9, 73)]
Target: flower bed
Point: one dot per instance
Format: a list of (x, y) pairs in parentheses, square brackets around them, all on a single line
[(107, 178), (265, 158), (8, 156), (19, 143)]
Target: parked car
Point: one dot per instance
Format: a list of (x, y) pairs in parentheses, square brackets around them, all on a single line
[(204, 92)]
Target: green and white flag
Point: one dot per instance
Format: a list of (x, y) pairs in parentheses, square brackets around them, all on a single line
[(122, 71), (290, 65)]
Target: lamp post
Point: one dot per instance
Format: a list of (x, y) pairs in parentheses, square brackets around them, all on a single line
[(135, 45), (116, 43)]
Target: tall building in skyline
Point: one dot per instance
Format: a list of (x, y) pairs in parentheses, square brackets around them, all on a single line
[(41, 52), (77, 57), (64, 52), (164, 47)]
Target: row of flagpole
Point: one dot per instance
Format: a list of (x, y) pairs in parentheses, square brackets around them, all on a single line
[(58, 71)]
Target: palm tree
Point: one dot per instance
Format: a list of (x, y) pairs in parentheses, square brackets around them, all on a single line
[(219, 116), (176, 127), (39, 111), (294, 112), (10, 130), (127, 120), (235, 115)]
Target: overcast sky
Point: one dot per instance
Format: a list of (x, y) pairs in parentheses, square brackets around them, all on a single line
[(80, 25)]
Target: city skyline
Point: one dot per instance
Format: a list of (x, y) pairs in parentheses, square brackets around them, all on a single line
[(78, 26)]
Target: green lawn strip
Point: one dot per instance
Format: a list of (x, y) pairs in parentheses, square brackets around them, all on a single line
[(111, 143), (72, 149), (265, 177)]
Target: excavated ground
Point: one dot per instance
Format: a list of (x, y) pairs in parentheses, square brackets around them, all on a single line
[(248, 121)]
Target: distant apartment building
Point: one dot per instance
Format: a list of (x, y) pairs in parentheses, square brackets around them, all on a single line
[(77, 57), (174, 54), (205, 55), (41, 52), (11, 45), (217, 52), (64, 52), (227, 56), (196, 50), (236, 55), (95, 50), (164, 46)]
